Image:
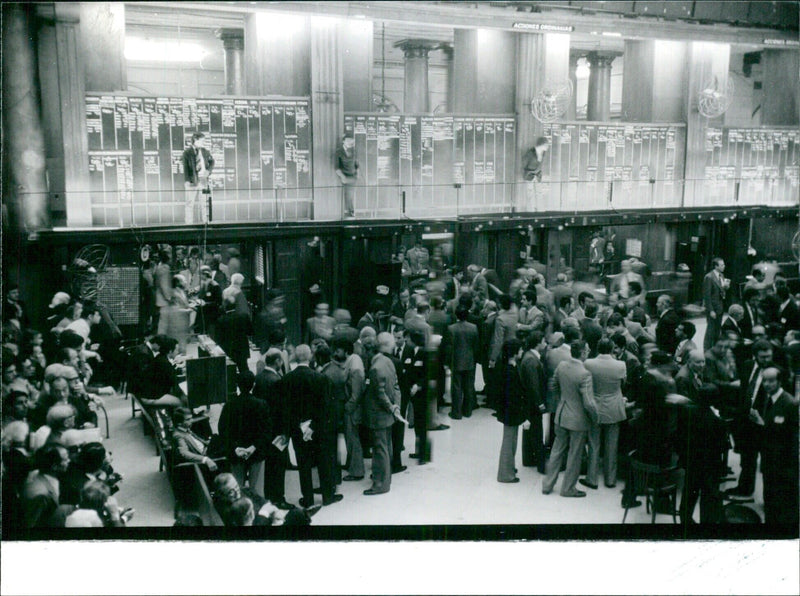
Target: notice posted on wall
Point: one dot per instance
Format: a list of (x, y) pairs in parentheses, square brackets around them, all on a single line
[(633, 247)]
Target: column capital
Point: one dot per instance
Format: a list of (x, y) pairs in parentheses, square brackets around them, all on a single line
[(417, 48), (59, 12), (447, 49), (232, 38), (601, 59)]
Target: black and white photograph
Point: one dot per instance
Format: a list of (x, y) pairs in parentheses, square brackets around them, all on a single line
[(400, 296)]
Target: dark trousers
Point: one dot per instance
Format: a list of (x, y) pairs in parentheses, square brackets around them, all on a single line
[(421, 428), (780, 500), (274, 475), (749, 447), (702, 485), (381, 459), (533, 448), (304, 450), (462, 393), (398, 436), (712, 331), (327, 464)]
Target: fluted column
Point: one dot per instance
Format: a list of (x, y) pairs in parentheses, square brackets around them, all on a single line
[(572, 109), (416, 96), (63, 103), (25, 179), (233, 44), (327, 108), (599, 103), (103, 46)]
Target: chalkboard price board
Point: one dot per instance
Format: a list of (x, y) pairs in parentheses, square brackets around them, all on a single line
[(763, 162), (261, 148), (425, 156), (597, 166)]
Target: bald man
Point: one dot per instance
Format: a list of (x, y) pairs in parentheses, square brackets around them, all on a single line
[(779, 454), (381, 409), (305, 391)]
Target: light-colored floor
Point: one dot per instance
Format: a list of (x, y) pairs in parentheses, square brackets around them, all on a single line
[(458, 487)]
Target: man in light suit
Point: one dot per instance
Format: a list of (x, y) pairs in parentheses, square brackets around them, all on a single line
[(608, 375), (576, 411), (505, 327), (779, 455), (381, 409), (461, 349), (534, 383), (714, 288)]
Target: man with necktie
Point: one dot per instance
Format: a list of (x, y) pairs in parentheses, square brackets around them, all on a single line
[(714, 288), (746, 431), (197, 166)]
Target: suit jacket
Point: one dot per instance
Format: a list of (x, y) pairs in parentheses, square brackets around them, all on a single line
[(190, 447), (592, 333), (749, 321), (383, 393), (355, 386), (305, 393), (665, 331), (552, 359), (686, 383), (161, 378), (514, 405), (244, 421), (190, 163), (789, 316), (163, 284), (505, 328), (231, 335), (40, 496), (461, 346), (779, 454), (576, 407), (368, 321), (713, 294), (534, 382), (438, 321), (729, 325), (608, 375)]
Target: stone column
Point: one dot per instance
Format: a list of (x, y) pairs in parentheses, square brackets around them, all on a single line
[(654, 81), (539, 59), (706, 61), (25, 180), (233, 43), (572, 110), (63, 107), (103, 46), (277, 55), (447, 49), (599, 103), (781, 105), (416, 97), (327, 106)]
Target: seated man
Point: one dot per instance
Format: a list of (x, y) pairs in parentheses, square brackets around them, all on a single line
[(40, 494), (161, 389), (98, 509)]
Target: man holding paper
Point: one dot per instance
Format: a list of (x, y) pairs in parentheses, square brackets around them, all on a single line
[(304, 391), (381, 409)]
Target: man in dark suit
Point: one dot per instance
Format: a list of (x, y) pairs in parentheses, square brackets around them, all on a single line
[(690, 377), (779, 453), (750, 299), (668, 321), (715, 287), (534, 383), (746, 432), (461, 352), (243, 426), (269, 388), (232, 331), (590, 329), (788, 313), (731, 323), (576, 408), (381, 409), (403, 359), (305, 391)]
